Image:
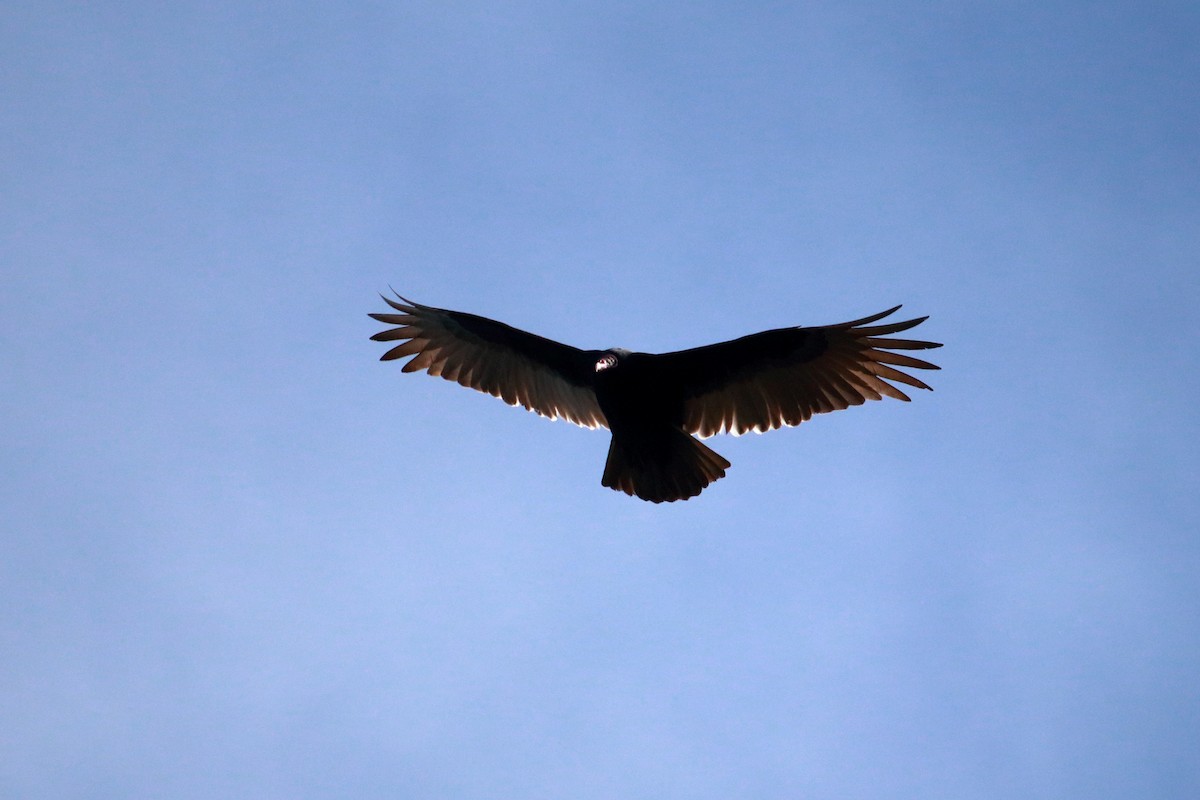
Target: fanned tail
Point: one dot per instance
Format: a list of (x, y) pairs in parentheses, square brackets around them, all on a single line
[(665, 466)]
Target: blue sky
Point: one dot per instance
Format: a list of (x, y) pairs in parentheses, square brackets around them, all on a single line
[(243, 558)]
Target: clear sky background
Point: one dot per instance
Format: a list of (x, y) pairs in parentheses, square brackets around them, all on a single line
[(243, 558)]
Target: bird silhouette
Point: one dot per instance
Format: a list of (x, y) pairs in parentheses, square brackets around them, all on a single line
[(655, 404)]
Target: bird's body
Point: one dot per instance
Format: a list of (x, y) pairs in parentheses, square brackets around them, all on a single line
[(650, 454), (633, 394), (652, 403)]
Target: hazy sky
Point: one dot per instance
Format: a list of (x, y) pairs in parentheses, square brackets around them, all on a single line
[(242, 558)]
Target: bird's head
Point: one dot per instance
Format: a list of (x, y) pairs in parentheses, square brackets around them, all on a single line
[(610, 358)]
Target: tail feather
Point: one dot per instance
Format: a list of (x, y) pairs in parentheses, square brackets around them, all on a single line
[(663, 467)]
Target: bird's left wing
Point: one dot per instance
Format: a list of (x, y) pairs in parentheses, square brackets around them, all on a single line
[(782, 377), (544, 376)]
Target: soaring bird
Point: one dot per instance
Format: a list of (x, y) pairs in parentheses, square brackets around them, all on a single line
[(654, 404)]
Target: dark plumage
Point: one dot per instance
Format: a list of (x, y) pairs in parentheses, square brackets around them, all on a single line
[(654, 403)]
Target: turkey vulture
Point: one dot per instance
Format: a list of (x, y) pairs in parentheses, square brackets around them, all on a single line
[(653, 404)]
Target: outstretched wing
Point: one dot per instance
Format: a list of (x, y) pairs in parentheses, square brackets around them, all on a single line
[(542, 375), (782, 377)]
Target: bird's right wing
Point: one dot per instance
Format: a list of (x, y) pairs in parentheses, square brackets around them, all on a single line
[(782, 377), (521, 368)]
